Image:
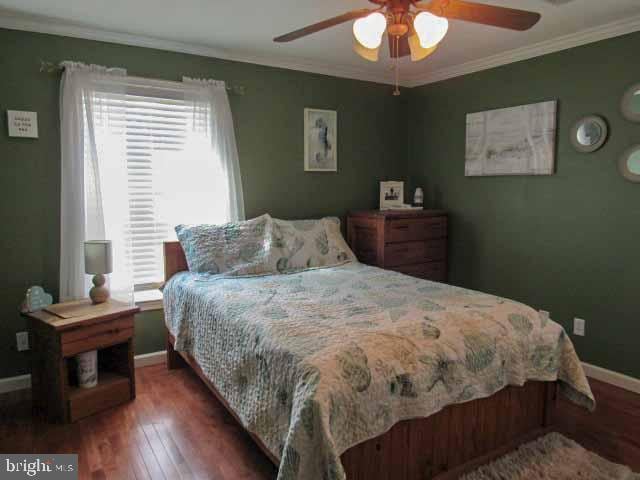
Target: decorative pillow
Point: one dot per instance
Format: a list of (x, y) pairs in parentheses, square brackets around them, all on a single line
[(240, 248), (303, 244), (337, 243)]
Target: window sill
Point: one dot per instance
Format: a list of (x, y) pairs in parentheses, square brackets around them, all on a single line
[(148, 300), (150, 306)]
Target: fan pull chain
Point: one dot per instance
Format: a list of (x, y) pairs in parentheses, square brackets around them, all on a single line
[(396, 92)]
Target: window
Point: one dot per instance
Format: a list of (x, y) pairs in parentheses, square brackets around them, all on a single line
[(155, 154), (170, 176)]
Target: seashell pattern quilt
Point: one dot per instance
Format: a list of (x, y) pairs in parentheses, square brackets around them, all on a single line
[(318, 361)]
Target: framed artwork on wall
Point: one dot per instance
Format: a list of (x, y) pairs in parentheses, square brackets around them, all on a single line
[(391, 195), (512, 141), (320, 140)]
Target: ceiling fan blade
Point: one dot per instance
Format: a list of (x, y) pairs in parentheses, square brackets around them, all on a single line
[(502, 17), (316, 27), (402, 47)]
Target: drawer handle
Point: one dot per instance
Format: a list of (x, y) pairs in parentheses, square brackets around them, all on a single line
[(113, 331), (401, 227)]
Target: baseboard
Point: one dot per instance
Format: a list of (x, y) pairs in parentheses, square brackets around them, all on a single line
[(10, 384), (612, 378), (21, 382), (148, 359)]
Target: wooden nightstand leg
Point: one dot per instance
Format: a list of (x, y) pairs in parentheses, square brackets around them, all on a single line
[(132, 367), (174, 360), (49, 375)]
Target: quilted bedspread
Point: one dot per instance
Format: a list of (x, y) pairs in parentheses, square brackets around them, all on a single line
[(316, 362)]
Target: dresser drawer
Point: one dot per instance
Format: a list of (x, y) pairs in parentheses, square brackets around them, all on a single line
[(408, 253), (413, 229), (96, 336), (435, 271)]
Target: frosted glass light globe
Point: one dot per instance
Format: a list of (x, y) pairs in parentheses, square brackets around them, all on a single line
[(430, 28), (369, 30)]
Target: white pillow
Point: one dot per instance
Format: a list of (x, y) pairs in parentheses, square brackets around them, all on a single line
[(303, 244), (239, 247)]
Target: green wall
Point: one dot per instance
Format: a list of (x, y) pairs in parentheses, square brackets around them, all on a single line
[(269, 130), (567, 243)]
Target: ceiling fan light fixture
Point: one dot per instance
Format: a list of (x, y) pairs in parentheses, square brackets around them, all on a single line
[(370, 54), (417, 52), (430, 28), (369, 30)]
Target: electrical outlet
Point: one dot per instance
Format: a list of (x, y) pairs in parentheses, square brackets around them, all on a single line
[(579, 327), (22, 341)]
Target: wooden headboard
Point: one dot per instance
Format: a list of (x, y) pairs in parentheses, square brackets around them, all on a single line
[(174, 259)]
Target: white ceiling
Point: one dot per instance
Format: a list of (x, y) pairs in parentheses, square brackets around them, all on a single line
[(244, 30)]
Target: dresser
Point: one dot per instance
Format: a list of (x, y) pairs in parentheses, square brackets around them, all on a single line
[(412, 242)]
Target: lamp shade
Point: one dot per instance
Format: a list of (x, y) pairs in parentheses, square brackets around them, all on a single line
[(97, 257), (430, 28), (370, 54), (370, 29)]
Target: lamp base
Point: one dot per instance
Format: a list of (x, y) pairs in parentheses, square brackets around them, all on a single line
[(99, 293)]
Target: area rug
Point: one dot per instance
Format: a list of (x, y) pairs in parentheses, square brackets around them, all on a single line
[(552, 457)]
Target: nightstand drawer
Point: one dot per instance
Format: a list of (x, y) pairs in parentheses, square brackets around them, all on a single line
[(408, 230), (434, 271), (415, 252), (96, 336)]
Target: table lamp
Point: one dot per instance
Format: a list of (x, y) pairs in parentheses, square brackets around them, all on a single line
[(98, 262)]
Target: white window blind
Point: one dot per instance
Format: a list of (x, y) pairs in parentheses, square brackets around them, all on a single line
[(154, 127), (170, 173)]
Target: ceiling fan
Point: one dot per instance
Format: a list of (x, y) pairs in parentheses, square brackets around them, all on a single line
[(414, 27)]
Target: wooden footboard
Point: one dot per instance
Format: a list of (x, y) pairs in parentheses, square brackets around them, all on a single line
[(453, 438), (442, 446)]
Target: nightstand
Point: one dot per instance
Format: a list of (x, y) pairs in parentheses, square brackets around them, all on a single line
[(76, 327)]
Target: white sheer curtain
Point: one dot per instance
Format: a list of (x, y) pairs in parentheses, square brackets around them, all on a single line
[(122, 135), (92, 146), (211, 111)]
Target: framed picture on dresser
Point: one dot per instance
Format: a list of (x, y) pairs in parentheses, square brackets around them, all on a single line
[(391, 195)]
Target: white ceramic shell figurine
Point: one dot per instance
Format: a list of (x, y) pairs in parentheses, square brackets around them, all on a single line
[(418, 197)]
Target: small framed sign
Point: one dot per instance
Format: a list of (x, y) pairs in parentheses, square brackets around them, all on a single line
[(22, 124), (391, 195)]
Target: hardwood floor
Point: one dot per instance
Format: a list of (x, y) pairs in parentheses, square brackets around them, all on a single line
[(176, 429), (612, 431)]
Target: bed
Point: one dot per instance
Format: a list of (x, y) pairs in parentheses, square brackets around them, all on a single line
[(361, 373)]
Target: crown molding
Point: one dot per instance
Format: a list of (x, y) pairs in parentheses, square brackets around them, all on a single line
[(41, 25), (583, 37), (28, 23)]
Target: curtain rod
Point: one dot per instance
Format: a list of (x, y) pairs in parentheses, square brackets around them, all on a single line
[(51, 67)]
